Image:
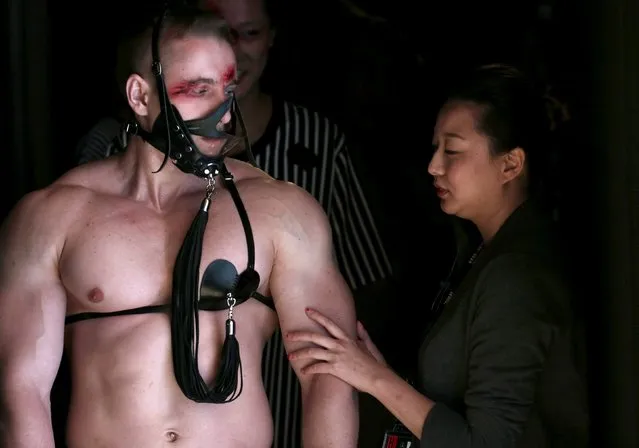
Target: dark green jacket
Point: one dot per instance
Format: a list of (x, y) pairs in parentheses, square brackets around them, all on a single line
[(500, 360)]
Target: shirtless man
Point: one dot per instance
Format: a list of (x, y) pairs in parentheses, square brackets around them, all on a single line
[(104, 238)]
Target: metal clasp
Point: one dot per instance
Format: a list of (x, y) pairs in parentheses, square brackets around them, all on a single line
[(210, 186), (230, 302), (156, 68), (210, 189)]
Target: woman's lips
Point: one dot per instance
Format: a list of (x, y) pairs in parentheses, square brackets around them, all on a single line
[(441, 192)]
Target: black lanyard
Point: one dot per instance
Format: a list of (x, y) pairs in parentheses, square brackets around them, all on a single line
[(454, 278)]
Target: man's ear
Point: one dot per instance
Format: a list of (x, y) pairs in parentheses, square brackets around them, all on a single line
[(137, 94), (513, 163)]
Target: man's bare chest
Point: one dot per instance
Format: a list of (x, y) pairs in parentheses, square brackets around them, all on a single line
[(122, 255)]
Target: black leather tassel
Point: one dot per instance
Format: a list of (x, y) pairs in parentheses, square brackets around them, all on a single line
[(230, 364), (185, 329)]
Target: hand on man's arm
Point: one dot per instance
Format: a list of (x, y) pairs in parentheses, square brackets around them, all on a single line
[(305, 275)]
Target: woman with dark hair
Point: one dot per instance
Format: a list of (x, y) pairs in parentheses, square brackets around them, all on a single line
[(497, 366)]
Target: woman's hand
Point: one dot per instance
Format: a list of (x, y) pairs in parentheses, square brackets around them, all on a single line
[(357, 362), (365, 342)]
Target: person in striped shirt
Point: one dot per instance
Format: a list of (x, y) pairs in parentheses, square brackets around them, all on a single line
[(293, 144)]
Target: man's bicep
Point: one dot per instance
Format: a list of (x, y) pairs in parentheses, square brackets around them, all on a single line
[(32, 307), (31, 336), (305, 275)]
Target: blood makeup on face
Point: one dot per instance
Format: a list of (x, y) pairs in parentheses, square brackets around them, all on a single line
[(194, 88), (229, 75)]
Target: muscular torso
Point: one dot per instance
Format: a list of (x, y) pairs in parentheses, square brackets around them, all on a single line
[(119, 254)]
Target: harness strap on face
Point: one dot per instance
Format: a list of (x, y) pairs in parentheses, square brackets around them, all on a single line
[(240, 120), (156, 69), (207, 126)]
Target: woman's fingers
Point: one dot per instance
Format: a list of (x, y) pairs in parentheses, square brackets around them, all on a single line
[(319, 367), (313, 337), (325, 322), (361, 332), (367, 342), (316, 353)]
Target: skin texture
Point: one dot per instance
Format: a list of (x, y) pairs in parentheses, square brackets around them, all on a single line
[(104, 237)]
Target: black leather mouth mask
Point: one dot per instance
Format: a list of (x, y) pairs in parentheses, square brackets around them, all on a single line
[(173, 136)]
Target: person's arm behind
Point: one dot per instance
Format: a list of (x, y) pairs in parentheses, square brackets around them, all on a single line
[(305, 275), (99, 142), (32, 310)]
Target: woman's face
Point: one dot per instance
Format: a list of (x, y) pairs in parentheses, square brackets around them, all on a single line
[(468, 178), (252, 26)]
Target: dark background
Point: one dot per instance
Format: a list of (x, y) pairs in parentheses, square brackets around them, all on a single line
[(382, 80)]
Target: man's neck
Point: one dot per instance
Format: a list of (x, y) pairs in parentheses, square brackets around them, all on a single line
[(257, 109), (141, 163)]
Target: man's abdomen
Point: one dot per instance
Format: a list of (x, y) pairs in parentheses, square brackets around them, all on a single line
[(124, 391)]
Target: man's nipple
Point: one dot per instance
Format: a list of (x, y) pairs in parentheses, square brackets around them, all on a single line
[(96, 295)]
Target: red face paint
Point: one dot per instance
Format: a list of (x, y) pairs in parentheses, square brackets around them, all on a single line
[(228, 75), (193, 88), (181, 88), (201, 86)]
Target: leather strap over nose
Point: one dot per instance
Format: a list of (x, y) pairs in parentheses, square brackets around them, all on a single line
[(208, 126)]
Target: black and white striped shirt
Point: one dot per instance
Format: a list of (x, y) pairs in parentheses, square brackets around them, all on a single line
[(305, 148)]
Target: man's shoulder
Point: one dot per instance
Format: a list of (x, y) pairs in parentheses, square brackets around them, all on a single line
[(47, 211), (66, 192), (87, 175), (292, 194), (298, 210), (73, 189), (282, 197), (256, 178)]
